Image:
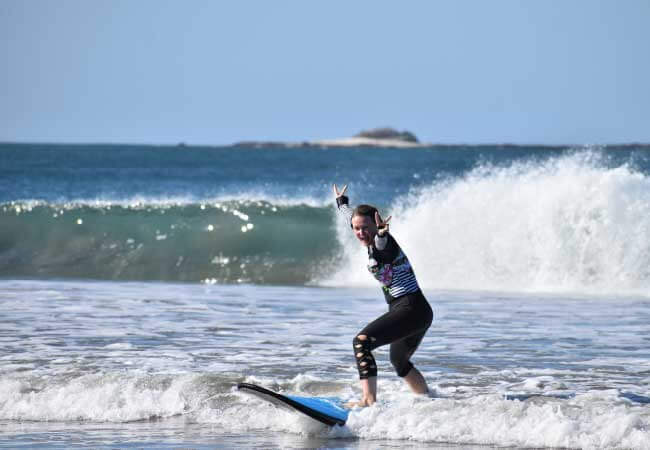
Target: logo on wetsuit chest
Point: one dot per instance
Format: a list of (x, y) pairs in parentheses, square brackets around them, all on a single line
[(382, 272)]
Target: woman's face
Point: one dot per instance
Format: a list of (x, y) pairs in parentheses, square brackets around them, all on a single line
[(364, 229)]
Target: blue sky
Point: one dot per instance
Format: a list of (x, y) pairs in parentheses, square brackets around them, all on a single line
[(216, 72)]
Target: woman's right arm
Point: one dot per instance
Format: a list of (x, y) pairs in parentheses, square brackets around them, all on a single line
[(342, 201)]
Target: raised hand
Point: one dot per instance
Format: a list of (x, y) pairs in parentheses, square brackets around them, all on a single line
[(382, 225), (340, 193)]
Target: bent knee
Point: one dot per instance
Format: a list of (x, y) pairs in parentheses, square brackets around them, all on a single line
[(402, 367), (363, 341), (360, 339)]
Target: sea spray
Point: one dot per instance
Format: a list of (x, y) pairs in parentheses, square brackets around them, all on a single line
[(568, 224)]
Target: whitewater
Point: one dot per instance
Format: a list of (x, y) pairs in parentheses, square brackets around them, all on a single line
[(139, 284)]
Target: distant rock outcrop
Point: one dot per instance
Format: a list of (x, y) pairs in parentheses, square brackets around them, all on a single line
[(388, 133), (376, 137)]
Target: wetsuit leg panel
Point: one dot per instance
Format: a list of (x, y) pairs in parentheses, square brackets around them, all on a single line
[(366, 365)]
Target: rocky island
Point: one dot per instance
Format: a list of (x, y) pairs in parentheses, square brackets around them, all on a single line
[(376, 137)]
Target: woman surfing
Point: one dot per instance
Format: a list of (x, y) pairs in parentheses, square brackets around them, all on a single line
[(409, 314)]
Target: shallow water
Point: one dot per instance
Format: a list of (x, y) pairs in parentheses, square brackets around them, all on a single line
[(154, 364)]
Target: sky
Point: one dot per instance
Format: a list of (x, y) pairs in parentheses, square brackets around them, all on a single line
[(218, 72)]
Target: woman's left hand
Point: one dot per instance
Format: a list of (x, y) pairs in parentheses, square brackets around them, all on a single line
[(382, 225)]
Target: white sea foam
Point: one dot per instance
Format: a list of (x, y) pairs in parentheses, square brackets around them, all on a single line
[(248, 197), (580, 423), (590, 421), (96, 397), (569, 224), (594, 420), (123, 352)]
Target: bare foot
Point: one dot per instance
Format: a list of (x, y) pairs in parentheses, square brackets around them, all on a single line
[(361, 404)]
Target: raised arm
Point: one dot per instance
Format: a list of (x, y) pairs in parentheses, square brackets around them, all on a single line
[(342, 201), (382, 237)]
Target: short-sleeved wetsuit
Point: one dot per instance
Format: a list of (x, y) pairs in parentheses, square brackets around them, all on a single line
[(409, 314)]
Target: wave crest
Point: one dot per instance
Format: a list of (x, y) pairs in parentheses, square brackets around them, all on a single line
[(567, 224)]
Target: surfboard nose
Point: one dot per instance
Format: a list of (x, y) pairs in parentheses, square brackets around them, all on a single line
[(326, 410)]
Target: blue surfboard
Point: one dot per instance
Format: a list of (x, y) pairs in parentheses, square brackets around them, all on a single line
[(327, 410)]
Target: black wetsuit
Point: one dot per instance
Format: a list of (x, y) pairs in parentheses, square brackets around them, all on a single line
[(409, 314)]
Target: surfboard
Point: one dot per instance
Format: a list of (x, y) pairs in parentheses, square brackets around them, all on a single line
[(327, 410)]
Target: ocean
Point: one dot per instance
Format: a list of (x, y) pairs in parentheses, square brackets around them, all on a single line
[(139, 284)]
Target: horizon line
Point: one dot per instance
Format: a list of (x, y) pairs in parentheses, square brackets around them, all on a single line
[(317, 144)]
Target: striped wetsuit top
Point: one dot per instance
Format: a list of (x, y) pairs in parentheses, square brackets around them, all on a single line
[(387, 262)]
